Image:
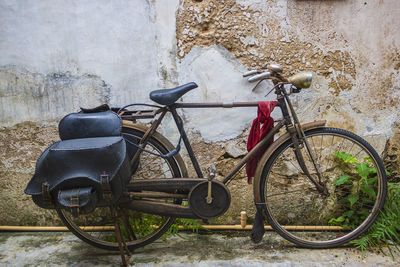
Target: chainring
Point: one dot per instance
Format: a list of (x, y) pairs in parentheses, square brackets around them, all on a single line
[(221, 199)]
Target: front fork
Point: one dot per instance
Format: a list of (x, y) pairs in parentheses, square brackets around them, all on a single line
[(299, 140), (300, 159)]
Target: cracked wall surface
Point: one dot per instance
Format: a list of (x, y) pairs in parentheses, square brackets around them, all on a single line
[(58, 56), (20, 146), (28, 96), (354, 66)]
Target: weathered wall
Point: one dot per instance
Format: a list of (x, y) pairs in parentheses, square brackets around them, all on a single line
[(57, 56)]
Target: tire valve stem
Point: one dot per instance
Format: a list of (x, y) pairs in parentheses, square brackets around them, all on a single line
[(211, 176)]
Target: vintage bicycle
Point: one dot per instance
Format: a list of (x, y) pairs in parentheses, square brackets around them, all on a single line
[(317, 186)]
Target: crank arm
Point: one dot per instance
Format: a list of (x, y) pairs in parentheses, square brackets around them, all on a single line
[(211, 176)]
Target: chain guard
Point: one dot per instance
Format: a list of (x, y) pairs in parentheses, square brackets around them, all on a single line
[(221, 199)]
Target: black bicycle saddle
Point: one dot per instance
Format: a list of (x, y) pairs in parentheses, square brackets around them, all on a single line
[(170, 96)]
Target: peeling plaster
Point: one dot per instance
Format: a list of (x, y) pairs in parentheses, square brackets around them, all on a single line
[(219, 76), (348, 73), (27, 96)]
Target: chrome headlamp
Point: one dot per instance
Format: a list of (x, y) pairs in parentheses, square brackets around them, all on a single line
[(302, 79)]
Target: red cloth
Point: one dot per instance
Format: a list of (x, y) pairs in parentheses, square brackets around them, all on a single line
[(256, 134)]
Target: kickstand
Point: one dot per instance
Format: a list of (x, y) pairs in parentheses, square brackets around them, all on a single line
[(121, 242)]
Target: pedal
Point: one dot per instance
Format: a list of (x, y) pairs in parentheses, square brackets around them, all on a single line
[(211, 174)]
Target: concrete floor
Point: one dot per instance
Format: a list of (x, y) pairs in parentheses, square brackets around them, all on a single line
[(217, 249)]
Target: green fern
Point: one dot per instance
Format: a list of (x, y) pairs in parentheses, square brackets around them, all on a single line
[(358, 184), (386, 229), (359, 179), (187, 224)]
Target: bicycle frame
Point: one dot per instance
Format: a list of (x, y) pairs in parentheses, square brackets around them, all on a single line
[(292, 127)]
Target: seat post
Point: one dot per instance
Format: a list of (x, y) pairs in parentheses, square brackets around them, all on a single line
[(189, 149)]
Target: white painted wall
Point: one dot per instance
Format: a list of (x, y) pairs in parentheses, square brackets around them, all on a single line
[(58, 55), (123, 43)]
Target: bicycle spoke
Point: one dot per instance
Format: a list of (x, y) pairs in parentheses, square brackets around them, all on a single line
[(358, 153), (284, 193), (351, 148), (322, 146), (298, 168)]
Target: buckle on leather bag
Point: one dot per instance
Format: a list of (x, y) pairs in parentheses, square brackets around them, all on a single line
[(105, 184), (46, 192), (74, 203)]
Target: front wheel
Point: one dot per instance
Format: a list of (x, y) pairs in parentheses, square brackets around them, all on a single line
[(354, 182)]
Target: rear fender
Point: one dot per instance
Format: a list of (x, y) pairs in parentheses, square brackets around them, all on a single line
[(160, 138)]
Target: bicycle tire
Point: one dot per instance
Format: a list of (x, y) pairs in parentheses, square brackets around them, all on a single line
[(302, 215), (102, 215)]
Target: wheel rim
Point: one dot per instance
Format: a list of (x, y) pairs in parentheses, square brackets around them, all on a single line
[(102, 234), (146, 227), (291, 200)]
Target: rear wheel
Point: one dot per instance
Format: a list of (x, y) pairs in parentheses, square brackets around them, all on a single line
[(355, 188), (138, 228)]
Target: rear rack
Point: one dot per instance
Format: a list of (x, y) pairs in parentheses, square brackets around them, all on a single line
[(132, 115), (138, 114)]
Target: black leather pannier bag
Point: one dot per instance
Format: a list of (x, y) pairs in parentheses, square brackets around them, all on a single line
[(100, 163)]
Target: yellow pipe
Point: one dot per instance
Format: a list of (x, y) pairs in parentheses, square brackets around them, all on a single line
[(53, 228), (209, 227)]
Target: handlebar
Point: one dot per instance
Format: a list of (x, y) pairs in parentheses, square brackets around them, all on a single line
[(252, 72), (264, 75), (299, 80)]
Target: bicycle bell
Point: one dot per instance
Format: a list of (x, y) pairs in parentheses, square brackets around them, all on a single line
[(275, 68)]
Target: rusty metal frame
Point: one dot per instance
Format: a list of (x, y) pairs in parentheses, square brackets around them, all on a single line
[(216, 105), (150, 131), (157, 189), (262, 144), (178, 121), (290, 121)]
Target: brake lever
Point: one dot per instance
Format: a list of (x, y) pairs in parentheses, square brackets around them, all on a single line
[(261, 76), (252, 72), (254, 88)]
